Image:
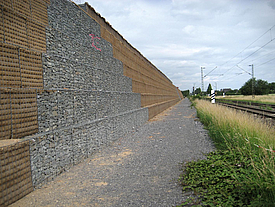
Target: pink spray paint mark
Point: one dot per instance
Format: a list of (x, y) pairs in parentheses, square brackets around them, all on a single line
[(93, 41)]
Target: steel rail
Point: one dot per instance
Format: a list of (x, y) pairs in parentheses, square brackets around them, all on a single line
[(249, 103), (251, 109)]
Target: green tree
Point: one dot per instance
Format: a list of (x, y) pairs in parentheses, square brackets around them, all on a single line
[(209, 89), (198, 91), (218, 93), (246, 89), (272, 87), (233, 92), (261, 87), (185, 93)]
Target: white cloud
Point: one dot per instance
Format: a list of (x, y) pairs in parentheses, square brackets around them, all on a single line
[(179, 36)]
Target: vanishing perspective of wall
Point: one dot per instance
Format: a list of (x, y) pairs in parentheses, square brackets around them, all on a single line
[(63, 94), (86, 103), (69, 85), (157, 91)]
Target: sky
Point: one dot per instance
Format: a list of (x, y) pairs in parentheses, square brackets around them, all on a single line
[(224, 37)]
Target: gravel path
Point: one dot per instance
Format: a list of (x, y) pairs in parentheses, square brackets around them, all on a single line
[(140, 169)]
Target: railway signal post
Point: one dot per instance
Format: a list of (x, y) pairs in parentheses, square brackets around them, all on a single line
[(212, 96)]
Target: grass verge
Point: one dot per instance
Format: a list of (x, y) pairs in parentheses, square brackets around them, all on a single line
[(238, 173), (267, 99)]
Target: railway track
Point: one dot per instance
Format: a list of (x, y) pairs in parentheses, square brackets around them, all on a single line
[(255, 108), (260, 105)]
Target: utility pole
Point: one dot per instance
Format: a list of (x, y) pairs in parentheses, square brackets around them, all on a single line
[(252, 74), (202, 86)]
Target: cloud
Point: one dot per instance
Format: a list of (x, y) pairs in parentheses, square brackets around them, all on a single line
[(179, 36)]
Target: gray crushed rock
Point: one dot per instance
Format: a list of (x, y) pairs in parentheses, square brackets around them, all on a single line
[(140, 169)]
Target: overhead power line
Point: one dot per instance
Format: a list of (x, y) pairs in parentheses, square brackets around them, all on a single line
[(244, 70), (210, 71), (237, 74), (250, 55), (259, 57), (248, 47), (256, 51), (265, 62)]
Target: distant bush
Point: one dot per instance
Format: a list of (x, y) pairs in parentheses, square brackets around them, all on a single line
[(185, 93), (261, 87)]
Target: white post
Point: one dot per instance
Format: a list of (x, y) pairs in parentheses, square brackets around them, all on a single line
[(212, 96)]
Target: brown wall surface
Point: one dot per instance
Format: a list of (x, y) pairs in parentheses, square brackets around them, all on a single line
[(22, 41), (157, 91), (15, 172)]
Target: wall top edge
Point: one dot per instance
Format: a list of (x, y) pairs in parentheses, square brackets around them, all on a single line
[(108, 24)]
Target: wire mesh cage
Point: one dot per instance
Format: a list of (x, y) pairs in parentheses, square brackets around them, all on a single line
[(22, 42)]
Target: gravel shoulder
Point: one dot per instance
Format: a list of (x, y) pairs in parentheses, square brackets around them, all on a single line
[(140, 169)]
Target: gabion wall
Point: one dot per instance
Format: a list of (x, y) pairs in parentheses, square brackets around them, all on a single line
[(86, 103), (67, 90)]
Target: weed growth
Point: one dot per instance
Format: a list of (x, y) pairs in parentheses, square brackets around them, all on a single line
[(239, 173)]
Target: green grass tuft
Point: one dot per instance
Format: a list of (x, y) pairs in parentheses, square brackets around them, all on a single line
[(238, 173)]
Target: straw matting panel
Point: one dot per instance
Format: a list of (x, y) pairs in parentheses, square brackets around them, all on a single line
[(39, 11), (128, 72), (117, 44), (116, 52), (6, 3), (36, 36), (143, 100), (150, 99), (112, 38), (1, 26), (24, 73), (9, 66), (22, 7), (106, 34), (22, 31), (131, 73), (15, 28), (15, 172), (103, 31), (158, 108), (24, 113), (138, 87), (5, 115), (135, 87), (109, 37), (118, 55), (31, 69), (45, 1), (18, 113)]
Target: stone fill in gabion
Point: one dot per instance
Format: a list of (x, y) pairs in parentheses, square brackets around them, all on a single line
[(86, 103)]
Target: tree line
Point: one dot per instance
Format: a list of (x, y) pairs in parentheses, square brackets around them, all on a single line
[(261, 87)]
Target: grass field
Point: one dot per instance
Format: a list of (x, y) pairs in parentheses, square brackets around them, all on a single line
[(261, 99), (242, 170), (231, 123)]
